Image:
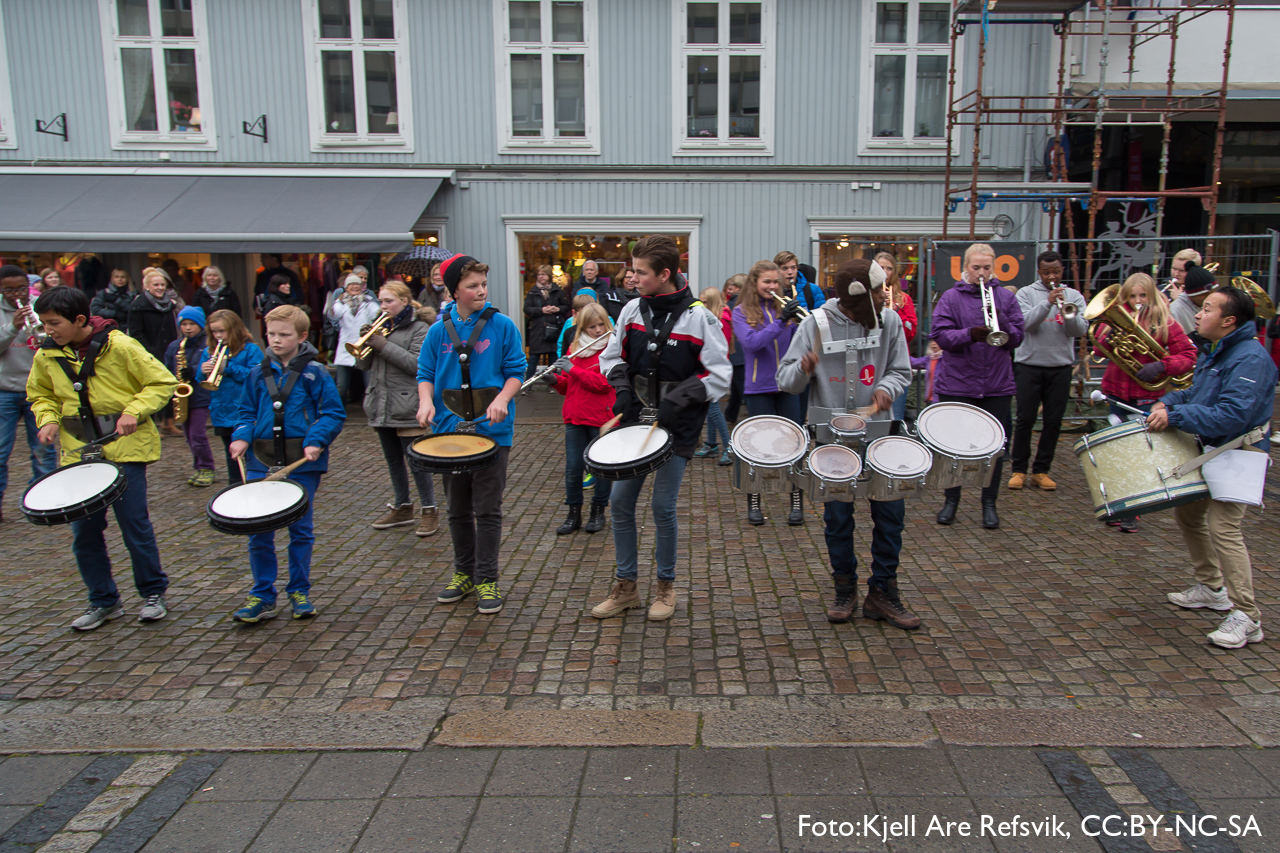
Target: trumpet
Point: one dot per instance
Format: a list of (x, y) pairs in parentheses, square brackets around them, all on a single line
[(782, 302), (33, 327), (219, 362), (990, 318), (361, 349), (1067, 310)]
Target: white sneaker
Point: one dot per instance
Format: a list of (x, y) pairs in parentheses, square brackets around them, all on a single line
[(1236, 631), (95, 616), (1200, 596), (153, 609)]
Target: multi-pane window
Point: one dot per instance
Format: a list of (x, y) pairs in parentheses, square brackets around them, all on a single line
[(358, 73), (909, 72), (724, 79), (157, 56), (547, 85)]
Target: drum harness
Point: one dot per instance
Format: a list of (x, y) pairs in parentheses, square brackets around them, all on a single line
[(463, 352), (657, 341), (91, 426), (854, 361), (279, 396)]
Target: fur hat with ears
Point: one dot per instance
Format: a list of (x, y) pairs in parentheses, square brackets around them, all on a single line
[(854, 282)]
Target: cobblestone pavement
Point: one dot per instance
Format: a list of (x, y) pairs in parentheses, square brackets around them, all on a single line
[(1052, 610)]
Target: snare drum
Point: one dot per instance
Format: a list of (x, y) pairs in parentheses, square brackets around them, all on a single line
[(259, 506), (965, 441), (849, 430), (1130, 470), (74, 492), (899, 468), (765, 451), (830, 474), (453, 453), (629, 452)]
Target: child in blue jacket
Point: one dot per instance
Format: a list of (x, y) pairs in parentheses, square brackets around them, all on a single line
[(242, 356), (189, 343), (311, 416)]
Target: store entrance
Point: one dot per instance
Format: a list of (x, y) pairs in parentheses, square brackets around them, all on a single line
[(566, 254)]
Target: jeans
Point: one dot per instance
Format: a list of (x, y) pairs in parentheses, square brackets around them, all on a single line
[(475, 517), (1050, 386), (998, 408), (900, 406), (576, 439), (348, 379), (666, 487), (777, 403), (302, 539), (735, 392), (44, 457), (233, 467), (393, 450), (716, 424), (887, 519), (196, 429), (90, 545)]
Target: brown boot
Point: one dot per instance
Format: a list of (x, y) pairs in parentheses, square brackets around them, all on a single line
[(885, 604), (664, 601), (846, 600), (430, 522), (397, 517), (621, 598)]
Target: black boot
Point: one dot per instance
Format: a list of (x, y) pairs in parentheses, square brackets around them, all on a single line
[(796, 518), (846, 600), (947, 515), (754, 515), (596, 522), (990, 519), (571, 522)]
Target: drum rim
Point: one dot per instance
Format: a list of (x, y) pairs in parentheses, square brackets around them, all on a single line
[(928, 465), (668, 444), (831, 423), (841, 451), (120, 482), (226, 519), (480, 454), (737, 451), (1115, 431), (922, 422)]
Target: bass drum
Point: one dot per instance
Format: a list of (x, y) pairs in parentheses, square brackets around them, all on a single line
[(1129, 470), (453, 453), (74, 492), (629, 452), (260, 506)]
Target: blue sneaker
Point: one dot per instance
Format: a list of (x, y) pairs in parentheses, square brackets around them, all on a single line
[(255, 610), (588, 480), (302, 606), (705, 451)]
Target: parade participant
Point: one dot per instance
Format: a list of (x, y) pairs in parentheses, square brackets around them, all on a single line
[(731, 291), (582, 300), (900, 302), (1232, 395), (242, 355), (667, 353), (119, 380), (545, 309), (1042, 367), (619, 293), (112, 302), (495, 360), (1176, 288), (181, 358), (874, 346), (973, 371), (764, 331), (17, 351), (717, 428), (1197, 283), (588, 404), (352, 311), (306, 421), (391, 404), (1140, 298), (153, 322), (796, 285)]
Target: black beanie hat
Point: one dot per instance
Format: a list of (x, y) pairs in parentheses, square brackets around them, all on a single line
[(451, 271), (1199, 279)]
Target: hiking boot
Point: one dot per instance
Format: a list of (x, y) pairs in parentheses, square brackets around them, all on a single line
[(153, 609), (95, 616), (1199, 597), (572, 521), (398, 516), (457, 589), (1236, 631), (302, 606), (621, 598), (488, 599), (664, 601), (1018, 480), (990, 518), (203, 478), (796, 518), (705, 450), (947, 515), (846, 600), (885, 604), (754, 515), (430, 522), (255, 610), (1129, 525), (1043, 482), (596, 522)]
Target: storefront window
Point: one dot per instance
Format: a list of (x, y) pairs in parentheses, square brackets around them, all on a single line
[(566, 254), (836, 249)]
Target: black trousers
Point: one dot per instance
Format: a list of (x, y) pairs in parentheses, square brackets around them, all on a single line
[(1050, 386), (998, 408), (233, 467), (475, 517), (735, 393)]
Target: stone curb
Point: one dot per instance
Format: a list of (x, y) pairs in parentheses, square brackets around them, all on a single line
[(570, 728), (829, 727), (1074, 728)]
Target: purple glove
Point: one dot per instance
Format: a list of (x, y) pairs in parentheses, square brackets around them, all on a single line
[(1149, 373)]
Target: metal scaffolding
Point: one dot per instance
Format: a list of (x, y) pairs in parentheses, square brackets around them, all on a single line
[(1099, 108)]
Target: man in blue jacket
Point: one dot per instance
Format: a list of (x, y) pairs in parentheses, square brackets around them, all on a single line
[(1233, 393)]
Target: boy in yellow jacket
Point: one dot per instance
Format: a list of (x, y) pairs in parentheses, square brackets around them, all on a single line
[(121, 382)]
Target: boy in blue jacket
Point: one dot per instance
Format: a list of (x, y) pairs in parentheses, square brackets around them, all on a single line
[(290, 409), (495, 360)]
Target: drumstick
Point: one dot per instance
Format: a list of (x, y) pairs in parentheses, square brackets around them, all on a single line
[(648, 435), (243, 478), (287, 470), (610, 424)]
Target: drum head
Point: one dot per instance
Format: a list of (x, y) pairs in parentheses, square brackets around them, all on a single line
[(71, 486), (769, 440), (835, 462), (259, 499), (454, 445), (959, 429), (848, 423), (899, 457), (627, 444)]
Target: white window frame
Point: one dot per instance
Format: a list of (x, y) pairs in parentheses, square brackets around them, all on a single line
[(548, 143), (362, 140), (871, 145), (682, 50), (157, 140), (8, 137)]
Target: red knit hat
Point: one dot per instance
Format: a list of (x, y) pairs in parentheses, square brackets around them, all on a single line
[(451, 271)]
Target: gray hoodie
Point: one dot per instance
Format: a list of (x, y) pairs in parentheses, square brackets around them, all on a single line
[(15, 356), (1046, 342)]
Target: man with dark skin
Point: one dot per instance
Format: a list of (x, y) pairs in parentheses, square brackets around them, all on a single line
[(17, 348)]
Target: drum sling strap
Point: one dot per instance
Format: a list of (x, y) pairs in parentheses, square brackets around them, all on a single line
[(80, 382), (464, 351), (278, 398), (657, 341)]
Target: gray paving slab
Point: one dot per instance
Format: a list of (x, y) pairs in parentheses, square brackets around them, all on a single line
[(529, 824), (723, 771), (1216, 773), (536, 773), (817, 771), (1003, 809), (65, 803), (349, 775), (623, 824), (907, 772), (1262, 725), (1075, 728), (316, 827), (847, 812), (1264, 812), (829, 726), (726, 824), (9, 815), (211, 828), (259, 776), (30, 779), (1002, 772), (896, 810), (444, 773), (418, 825), (630, 772)]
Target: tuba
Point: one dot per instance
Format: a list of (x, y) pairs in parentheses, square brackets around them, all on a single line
[(1262, 304), (182, 394), (1127, 340)]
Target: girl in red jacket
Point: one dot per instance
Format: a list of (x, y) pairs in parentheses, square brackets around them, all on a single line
[(588, 403)]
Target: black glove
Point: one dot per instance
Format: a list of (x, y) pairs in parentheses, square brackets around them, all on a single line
[(550, 378), (687, 394), (1149, 373), (791, 310), (978, 334), (627, 405), (668, 414)]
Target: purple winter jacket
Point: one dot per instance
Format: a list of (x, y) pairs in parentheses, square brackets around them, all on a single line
[(969, 368), (762, 349)]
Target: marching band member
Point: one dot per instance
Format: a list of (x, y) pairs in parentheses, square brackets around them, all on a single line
[(190, 342), (1183, 307), (863, 364), (1042, 367), (901, 303), (226, 327), (1232, 395), (667, 353), (973, 371), (17, 352), (495, 360), (119, 381)]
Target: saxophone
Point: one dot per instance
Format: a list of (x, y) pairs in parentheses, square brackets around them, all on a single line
[(183, 393)]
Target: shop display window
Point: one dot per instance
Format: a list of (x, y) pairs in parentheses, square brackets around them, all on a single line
[(566, 254)]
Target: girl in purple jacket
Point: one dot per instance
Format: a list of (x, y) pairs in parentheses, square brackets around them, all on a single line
[(972, 371), (763, 331)]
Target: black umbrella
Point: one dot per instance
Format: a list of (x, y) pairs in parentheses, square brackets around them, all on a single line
[(418, 261)]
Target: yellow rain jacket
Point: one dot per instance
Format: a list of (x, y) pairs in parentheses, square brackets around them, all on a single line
[(127, 379)]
